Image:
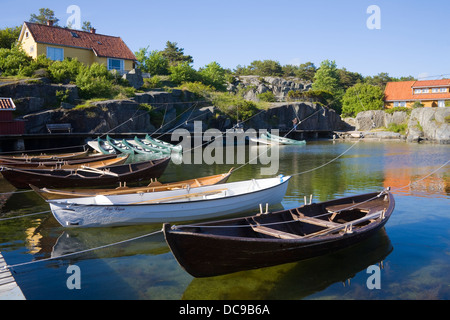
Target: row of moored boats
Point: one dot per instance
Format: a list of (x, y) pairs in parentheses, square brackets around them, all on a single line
[(102, 190)]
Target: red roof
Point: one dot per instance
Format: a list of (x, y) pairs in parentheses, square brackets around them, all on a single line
[(404, 90), (102, 45), (431, 83), (7, 104)]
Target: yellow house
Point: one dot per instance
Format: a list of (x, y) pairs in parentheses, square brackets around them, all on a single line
[(430, 93), (88, 47)]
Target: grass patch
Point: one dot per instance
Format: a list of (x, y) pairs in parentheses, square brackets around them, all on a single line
[(398, 128)]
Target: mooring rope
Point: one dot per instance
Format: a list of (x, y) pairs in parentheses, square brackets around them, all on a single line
[(82, 251), (25, 215)]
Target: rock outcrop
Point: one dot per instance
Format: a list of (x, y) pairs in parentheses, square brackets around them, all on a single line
[(253, 86), (429, 124)]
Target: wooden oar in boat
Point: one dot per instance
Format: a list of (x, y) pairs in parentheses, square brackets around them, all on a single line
[(154, 186), (181, 196)]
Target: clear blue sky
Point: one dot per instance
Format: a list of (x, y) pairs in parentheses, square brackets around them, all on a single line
[(413, 39)]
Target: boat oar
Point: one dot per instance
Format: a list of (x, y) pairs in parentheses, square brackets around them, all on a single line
[(182, 196), (95, 170)]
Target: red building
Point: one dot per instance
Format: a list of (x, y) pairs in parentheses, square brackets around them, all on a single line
[(7, 123)]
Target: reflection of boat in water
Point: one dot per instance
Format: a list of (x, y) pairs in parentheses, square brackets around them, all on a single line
[(293, 280), (79, 240)]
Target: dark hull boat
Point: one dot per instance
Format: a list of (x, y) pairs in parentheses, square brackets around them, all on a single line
[(85, 177), (268, 239)]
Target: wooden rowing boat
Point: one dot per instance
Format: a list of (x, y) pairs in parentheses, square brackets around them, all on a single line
[(154, 186), (101, 146), (168, 206), (85, 177), (66, 165), (92, 158), (146, 149), (155, 141), (150, 145), (120, 146), (268, 239), (281, 140), (45, 157)]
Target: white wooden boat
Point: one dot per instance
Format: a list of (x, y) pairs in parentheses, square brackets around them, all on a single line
[(102, 146), (261, 141), (282, 140), (169, 206), (149, 147), (177, 148)]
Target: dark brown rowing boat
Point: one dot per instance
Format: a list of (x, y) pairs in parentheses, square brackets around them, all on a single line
[(268, 239), (85, 177)]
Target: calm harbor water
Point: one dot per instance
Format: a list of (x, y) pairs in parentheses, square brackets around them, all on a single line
[(413, 250)]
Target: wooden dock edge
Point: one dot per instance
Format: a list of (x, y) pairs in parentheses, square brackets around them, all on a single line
[(9, 290)]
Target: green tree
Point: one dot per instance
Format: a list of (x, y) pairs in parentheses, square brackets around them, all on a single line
[(348, 79), (379, 80), (9, 36), (95, 81), (45, 14), (87, 26), (327, 78), (306, 71), (154, 62), (266, 68), (175, 55), (362, 97), (64, 71), (13, 61), (183, 72), (213, 75)]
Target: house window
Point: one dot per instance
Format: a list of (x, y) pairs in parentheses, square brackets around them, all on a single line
[(434, 90), (417, 91), (441, 103), (425, 90), (115, 64), (443, 90), (399, 104), (55, 54)]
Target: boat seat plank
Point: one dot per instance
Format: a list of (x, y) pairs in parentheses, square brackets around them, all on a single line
[(373, 216), (274, 233), (318, 222)]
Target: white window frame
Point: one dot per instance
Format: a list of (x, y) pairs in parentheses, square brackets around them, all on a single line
[(441, 104), (122, 64), (417, 91), (425, 90), (443, 90), (55, 54), (399, 104)]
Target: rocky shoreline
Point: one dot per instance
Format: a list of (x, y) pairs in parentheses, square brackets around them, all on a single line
[(40, 103), (420, 124)]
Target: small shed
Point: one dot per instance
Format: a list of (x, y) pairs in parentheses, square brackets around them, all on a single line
[(7, 123)]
